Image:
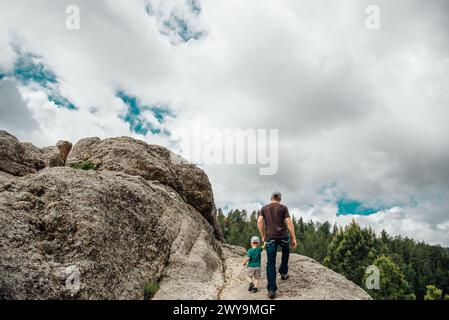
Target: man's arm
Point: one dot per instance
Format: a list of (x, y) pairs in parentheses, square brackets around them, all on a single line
[(261, 227), (291, 230)]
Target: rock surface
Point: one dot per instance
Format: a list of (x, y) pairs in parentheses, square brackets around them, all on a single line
[(20, 159), (308, 280), (142, 217), (151, 162), (119, 231), (64, 148), (56, 156), (4, 177)]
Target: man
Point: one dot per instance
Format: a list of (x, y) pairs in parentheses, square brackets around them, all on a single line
[(275, 225)]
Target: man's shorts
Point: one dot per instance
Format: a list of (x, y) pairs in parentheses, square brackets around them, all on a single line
[(255, 272)]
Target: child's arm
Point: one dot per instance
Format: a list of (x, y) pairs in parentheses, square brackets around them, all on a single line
[(246, 261), (264, 245)]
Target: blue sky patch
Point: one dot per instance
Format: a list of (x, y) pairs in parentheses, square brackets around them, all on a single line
[(194, 6), (149, 9), (60, 101), (181, 27), (331, 194), (178, 25), (29, 70), (350, 206), (134, 115)]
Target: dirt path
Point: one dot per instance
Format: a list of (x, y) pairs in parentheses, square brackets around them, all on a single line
[(236, 287), (308, 280)]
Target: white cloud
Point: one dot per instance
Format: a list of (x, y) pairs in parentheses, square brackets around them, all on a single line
[(14, 113)]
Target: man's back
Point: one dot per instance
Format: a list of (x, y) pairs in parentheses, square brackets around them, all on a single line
[(275, 214)]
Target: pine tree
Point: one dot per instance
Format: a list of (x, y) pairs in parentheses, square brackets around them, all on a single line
[(351, 251), (433, 293), (334, 230), (393, 285), (222, 223)]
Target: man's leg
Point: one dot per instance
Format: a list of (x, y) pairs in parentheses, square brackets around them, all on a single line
[(285, 246), (271, 248)]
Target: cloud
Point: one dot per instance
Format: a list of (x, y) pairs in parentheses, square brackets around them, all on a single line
[(363, 112), (14, 113)]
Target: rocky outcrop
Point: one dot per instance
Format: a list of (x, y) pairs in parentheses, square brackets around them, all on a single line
[(141, 217), (119, 231), (56, 156), (151, 162), (20, 159), (64, 148)]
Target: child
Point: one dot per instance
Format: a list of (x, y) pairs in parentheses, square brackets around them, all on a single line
[(253, 259)]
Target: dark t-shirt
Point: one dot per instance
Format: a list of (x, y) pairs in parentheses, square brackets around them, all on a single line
[(275, 215)]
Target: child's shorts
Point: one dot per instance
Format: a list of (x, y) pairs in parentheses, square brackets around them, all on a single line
[(254, 272)]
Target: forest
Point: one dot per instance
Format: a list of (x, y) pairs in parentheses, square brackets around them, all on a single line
[(408, 269)]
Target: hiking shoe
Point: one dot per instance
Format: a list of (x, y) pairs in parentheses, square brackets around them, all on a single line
[(284, 276), (255, 290), (251, 286), (272, 294)]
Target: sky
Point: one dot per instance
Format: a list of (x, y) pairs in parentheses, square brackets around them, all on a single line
[(361, 113)]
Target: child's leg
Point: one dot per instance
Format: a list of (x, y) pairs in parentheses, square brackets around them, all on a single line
[(256, 283), (257, 275), (250, 281)]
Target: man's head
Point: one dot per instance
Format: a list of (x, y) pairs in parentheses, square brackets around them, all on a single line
[(276, 196), (255, 241)]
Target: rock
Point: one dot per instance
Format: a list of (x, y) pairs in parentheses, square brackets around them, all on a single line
[(119, 231), (18, 158), (56, 156), (5, 177), (194, 271), (52, 157), (308, 280), (64, 148), (151, 162), (82, 150)]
